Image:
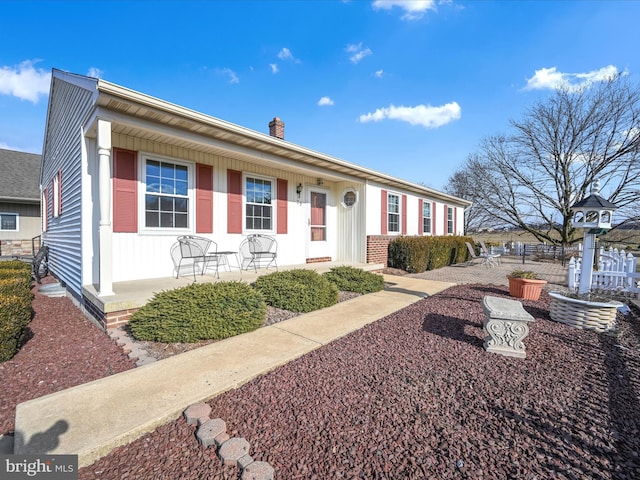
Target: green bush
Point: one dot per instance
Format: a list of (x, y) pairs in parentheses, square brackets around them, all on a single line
[(417, 254), (350, 279), (297, 290), (15, 286), (15, 273), (198, 312), (15, 265), (15, 315)]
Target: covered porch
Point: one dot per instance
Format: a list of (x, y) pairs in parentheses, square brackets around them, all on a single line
[(111, 311)]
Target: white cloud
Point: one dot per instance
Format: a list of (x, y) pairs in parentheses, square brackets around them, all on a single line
[(233, 78), (274, 67), (379, 73), (285, 54), (95, 72), (414, 9), (24, 81), (424, 115), (325, 101), (552, 79), (358, 53)]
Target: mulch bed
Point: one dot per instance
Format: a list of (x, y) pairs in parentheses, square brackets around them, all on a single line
[(415, 395), (62, 349)]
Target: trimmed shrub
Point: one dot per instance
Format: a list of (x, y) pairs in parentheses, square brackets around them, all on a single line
[(198, 312), (15, 286), (15, 315), (15, 265), (350, 279), (15, 273), (297, 290), (417, 254)]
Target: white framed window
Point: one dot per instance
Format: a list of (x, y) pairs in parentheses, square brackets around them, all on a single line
[(258, 203), (167, 203), (9, 222), (349, 198), (426, 217), (449, 220), (393, 213)]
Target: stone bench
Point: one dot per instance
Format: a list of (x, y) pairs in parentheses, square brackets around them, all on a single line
[(506, 326)]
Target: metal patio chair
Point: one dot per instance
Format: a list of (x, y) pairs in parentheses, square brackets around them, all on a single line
[(198, 252), (259, 249)]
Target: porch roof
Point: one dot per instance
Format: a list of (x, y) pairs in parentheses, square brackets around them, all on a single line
[(140, 115)]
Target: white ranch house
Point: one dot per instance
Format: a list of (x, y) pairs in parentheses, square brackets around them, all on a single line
[(124, 173)]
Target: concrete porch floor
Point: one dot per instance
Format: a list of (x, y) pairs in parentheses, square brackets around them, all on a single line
[(134, 294)]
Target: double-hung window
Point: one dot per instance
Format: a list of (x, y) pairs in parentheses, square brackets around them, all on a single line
[(9, 222), (166, 203), (449, 220), (426, 217), (393, 213), (258, 204)]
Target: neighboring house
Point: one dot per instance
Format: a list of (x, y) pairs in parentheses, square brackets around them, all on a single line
[(19, 202), (124, 173)]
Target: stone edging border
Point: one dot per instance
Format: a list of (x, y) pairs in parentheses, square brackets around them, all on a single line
[(231, 451)]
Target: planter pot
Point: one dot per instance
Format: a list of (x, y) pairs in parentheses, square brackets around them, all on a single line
[(525, 288), (598, 316)]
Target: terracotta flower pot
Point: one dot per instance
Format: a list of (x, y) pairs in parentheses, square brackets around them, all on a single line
[(526, 288)]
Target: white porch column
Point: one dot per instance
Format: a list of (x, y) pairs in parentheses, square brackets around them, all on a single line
[(104, 181)]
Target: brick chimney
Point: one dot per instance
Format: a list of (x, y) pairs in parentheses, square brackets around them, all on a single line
[(276, 128)]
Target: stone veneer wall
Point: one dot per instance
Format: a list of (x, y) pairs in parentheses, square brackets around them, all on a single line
[(15, 247)]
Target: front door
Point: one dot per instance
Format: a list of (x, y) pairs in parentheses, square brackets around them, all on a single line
[(317, 235)]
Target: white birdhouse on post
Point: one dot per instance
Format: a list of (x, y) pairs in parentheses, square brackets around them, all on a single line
[(593, 214)]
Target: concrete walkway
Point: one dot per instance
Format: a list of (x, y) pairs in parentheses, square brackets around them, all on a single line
[(91, 419)]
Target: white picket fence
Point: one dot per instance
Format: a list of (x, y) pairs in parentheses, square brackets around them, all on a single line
[(616, 272)]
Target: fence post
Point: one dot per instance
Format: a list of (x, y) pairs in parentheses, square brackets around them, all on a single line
[(571, 281)]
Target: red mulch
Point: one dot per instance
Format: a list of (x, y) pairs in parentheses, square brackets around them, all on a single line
[(52, 358)]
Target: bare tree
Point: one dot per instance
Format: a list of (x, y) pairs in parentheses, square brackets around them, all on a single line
[(530, 178)]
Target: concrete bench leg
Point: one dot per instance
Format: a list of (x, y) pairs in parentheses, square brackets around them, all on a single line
[(506, 326)]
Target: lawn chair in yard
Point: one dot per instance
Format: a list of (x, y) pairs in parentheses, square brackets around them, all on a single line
[(258, 249), (487, 252), (487, 260), (199, 253)]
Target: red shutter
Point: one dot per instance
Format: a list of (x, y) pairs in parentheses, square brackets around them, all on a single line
[(446, 219), (125, 191), (383, 216), (433, 218), (204, 198), (282, 206), (420, 222), (234, 201), (404, 214), (45, 212), (59, 192)]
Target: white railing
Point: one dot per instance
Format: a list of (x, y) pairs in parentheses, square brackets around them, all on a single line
[(616, 272)]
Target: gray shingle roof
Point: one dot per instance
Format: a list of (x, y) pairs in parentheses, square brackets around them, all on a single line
[(19, 176)]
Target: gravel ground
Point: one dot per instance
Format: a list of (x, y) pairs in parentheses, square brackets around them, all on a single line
[(415, 395), (53, 358)]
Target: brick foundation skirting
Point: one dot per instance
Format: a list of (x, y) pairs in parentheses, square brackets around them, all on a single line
[(378, 248), (108, 320), (318, 259)]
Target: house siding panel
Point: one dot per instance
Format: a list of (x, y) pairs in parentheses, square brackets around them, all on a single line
[(68, 108)]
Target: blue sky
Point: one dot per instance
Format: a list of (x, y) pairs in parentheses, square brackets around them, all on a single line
[(408, 88)]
